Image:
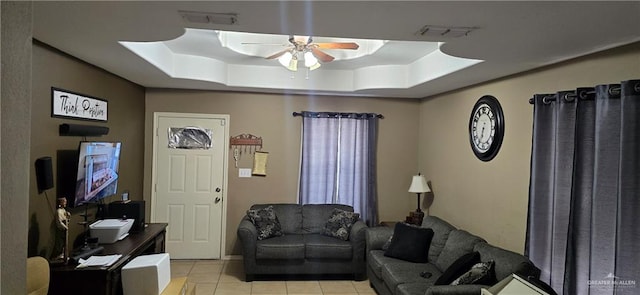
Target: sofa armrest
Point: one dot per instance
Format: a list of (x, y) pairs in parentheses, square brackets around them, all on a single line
[(377, 236), (359, 245), (248, 236), (357, 239), (455, 290)]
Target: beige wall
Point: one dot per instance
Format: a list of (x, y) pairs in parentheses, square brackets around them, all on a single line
[(270, 116), (490, 198), (15, 77), (52, 68)]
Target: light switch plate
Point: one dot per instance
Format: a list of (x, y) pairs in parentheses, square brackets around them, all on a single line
[(244, 172)]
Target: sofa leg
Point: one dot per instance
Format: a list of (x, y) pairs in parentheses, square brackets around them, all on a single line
[(359, 276), (249, 278)]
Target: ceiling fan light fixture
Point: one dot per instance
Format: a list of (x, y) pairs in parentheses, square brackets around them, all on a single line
[(314, 66), (293, 64), (310, 61), (285, 59)]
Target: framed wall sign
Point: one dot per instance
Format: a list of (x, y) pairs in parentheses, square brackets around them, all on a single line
[(72, 105)]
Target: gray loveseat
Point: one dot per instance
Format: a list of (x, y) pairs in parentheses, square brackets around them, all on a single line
[(302, 249), (394, 276)]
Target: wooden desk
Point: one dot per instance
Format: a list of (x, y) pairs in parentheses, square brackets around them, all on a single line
[(66, 280)]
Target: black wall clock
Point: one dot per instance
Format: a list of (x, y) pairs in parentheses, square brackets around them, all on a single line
[(486, 128)]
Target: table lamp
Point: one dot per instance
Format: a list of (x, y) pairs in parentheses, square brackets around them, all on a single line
[(419, 185)]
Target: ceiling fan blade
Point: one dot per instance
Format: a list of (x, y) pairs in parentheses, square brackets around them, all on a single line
[(276, 55), (337, 45), (258, 43), (321, 55)]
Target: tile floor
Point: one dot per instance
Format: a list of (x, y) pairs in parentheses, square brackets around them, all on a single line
[(226, 277)]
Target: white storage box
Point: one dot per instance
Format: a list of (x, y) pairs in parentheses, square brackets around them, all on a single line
[(146, 275), (110, 230)]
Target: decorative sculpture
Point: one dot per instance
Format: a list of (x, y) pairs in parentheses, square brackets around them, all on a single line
[(61, 246)]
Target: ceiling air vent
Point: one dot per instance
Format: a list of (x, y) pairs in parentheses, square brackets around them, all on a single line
[(448, 32), (209, 18)]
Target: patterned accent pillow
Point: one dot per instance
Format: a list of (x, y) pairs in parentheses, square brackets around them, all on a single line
[(482, 273), (386, 245), (266, 222), (340, 223)]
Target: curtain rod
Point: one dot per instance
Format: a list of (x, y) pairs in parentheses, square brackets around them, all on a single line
[(296, 114), (615, 91)]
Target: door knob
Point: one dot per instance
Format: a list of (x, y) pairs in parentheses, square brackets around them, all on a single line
[(218, 200)]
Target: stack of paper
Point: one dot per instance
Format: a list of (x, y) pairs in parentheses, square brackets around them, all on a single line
[(105, 260)]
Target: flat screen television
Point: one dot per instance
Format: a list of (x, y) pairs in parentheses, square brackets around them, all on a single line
[(97, 174)]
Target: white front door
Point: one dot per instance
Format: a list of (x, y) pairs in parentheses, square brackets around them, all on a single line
[(190, 184)]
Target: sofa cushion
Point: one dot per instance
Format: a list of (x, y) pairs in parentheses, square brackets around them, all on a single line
[(283, 247), (339, 224), (315, 216), (376, 259), (460, 242), (289, 215), (396, 273), (506, 262), (458, 268), (266, 222), (410, 243), (482, 273), (413, 288), (441, 231), (319, 246)]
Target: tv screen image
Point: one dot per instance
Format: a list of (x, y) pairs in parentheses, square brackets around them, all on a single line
[(97, 176)]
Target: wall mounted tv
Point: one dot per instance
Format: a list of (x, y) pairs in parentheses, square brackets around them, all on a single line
[(89, 174)]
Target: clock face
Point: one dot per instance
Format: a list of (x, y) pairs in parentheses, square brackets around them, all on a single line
[(486, 128)]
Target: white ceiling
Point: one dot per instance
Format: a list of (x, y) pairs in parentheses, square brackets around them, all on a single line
[(510, 37)]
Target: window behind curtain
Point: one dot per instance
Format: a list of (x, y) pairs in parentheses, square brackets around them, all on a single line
[(338, 161)]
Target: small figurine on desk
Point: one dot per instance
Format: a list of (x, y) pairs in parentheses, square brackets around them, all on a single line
[(60, 248)]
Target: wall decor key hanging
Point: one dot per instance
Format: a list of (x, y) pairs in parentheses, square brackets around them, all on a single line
[(244, 143)]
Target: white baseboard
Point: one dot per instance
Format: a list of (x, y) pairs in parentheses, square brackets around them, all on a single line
[(232, 257)]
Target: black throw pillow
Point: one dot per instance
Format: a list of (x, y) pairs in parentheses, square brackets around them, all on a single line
[(458, 268), (410, 243)]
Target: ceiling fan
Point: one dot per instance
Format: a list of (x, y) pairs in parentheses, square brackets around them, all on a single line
[(309, 50)]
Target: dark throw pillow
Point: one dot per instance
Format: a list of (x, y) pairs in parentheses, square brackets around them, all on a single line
[(482, 273), (410, 243), (340, 223), (458, 268), (266, 222)]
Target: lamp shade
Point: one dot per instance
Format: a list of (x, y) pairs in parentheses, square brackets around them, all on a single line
[(419, 185)]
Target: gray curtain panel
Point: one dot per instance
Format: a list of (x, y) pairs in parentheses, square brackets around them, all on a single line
[(338, 162), (582, 229)]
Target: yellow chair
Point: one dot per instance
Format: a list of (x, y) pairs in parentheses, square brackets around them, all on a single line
[(37, 276)]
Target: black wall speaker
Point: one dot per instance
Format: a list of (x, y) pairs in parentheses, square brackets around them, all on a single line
[(66, 175), (44, 174), (82, 130), (131, 209)]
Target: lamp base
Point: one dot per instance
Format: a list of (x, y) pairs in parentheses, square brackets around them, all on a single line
[(415, 218)]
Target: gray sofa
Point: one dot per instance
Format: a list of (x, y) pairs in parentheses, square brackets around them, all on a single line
[(302, 250), (394, 276)]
